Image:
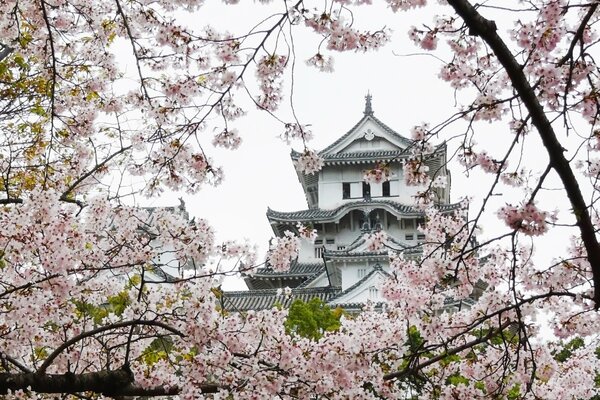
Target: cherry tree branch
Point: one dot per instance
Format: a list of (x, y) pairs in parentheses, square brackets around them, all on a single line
[(96, 331), (116, 383), (486, 29), (415, 368)]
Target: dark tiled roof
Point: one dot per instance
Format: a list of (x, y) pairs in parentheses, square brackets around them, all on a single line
[(345, 254), (375, 155), (361, 156), (267, 298), (317, 214), (296, 269)]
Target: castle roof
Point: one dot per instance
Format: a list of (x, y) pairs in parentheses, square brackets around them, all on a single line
[(349, 136), (321, 215), (267, 298), (296, 269)]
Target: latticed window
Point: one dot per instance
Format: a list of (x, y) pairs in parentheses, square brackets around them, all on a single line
[(319, 248), (319, 252), (373, 293), (362, 272)]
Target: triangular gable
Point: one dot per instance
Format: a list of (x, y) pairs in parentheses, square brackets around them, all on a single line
[(365, 290), (318, 280), (369, 134)]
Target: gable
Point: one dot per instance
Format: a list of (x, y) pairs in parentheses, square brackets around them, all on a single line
[(320, 281), (363, 144), (369, 134), (368, 289)]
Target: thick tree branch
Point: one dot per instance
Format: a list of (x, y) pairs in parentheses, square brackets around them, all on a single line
[(48, 361), (486, 29), (115, 383), (5, 51)]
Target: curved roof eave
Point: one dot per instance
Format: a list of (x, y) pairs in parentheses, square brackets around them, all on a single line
[(333, 215)]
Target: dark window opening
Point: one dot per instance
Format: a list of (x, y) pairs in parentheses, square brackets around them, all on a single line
[(345, 190), (385, 189), (366, 191), (330, 241)]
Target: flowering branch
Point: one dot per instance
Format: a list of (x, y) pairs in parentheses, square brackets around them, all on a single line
[(486, 29)]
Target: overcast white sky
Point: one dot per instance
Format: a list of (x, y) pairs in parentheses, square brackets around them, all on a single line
[(406, 91)]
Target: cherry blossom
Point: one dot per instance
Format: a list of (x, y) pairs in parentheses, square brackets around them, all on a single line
[(527, 219), (283, 251), (87, 135), (306, 232), (379, 174), (310, 162), (376, 240)]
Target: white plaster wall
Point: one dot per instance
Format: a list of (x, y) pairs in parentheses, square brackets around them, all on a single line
[(377, 143), (331, 179), (307, 251)]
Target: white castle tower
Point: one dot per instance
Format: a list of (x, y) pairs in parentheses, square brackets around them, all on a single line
[(344, 209)]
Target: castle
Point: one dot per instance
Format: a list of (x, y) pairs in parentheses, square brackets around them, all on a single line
[(339, 268)]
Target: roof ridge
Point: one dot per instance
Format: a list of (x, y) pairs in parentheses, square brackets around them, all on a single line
[(345, 135)]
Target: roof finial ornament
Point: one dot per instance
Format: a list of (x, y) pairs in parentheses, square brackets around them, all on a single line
[(368, 107)]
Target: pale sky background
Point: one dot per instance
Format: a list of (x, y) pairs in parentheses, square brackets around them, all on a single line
[(406, 91)]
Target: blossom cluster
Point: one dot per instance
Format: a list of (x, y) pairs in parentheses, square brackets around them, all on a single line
[(283, 251), (527, 219), (268, 72), (380, 173), (296, 131), (376, 240), (310, 162), (306, 232)]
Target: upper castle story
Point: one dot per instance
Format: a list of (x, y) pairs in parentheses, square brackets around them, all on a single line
[(368, 142)]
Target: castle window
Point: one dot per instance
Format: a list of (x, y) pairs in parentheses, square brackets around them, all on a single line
[(408, 224), (420, 237), (385, 189), (345, 190), (341, 247), (319, 248), (330, 241), (373, 293), (362, 272), (319, 252), (409, 236), (366, 191)]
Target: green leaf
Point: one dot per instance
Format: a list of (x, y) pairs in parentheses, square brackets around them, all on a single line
[(312, 319)]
